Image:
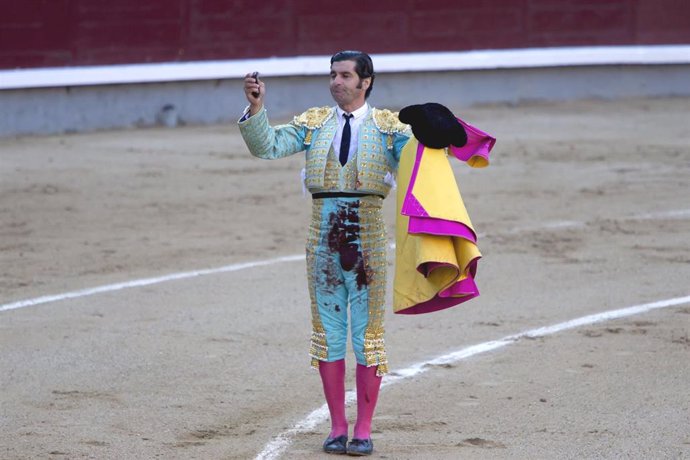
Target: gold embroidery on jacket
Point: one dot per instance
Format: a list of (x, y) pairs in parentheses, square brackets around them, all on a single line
[(312, 119), (387, 122)]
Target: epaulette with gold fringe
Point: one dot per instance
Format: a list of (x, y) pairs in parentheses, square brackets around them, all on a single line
[(387, 122), (314, 118)]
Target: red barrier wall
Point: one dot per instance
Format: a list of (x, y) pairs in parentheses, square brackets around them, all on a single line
[(50, 33)]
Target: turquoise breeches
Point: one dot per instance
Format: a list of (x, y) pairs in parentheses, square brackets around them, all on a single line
[(346, 269)]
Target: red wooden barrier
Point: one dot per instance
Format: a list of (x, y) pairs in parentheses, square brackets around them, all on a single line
[(49, 33)]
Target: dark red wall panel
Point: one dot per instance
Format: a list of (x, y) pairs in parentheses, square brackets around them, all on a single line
[(48, 33), (35, 33), (106, 31), (581, 23), (662, 22)]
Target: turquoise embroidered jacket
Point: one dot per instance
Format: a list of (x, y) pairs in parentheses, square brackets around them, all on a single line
[(381, 139)]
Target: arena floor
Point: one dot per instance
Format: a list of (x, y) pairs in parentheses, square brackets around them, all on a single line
[(153, 298)]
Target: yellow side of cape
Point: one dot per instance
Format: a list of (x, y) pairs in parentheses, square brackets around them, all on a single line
[(437, 191)]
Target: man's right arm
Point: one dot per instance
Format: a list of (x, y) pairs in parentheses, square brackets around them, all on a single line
[(263, 140)]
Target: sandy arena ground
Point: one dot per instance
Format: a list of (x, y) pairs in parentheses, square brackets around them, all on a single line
[(585, 209)]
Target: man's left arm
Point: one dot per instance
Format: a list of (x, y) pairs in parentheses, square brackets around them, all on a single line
[(399, 141), (395, 134)]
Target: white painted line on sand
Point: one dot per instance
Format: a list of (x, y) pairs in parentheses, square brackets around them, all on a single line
[(675, 214), (147, 282), (281, 442)]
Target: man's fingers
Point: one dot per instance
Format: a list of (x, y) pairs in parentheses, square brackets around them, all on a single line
[(251, 86), (253, 89)]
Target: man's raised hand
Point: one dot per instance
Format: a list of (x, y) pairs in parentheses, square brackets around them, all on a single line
[(254, 90)]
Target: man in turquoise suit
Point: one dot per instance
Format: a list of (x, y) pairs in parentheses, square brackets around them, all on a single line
[(352, 153)]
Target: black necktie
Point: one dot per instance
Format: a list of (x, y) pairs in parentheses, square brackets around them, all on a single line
[(345, 140)]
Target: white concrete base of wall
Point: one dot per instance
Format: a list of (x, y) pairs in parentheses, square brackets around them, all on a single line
[(87, 108)]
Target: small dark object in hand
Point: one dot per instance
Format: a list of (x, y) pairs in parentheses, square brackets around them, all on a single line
[(255, 75)]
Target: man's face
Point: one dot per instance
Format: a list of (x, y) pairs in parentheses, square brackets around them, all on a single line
[(346, 87)]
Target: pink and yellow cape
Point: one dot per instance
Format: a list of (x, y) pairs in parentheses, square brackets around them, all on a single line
[(436, 246)]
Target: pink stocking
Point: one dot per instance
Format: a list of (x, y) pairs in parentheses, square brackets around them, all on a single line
[(368, 384), (333, 379)]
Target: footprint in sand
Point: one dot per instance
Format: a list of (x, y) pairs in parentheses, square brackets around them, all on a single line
[(483, 443)]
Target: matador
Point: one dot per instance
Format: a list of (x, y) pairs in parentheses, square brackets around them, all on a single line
[(352, 152)]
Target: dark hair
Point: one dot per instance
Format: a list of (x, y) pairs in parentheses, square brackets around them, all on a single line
[(363, 65)]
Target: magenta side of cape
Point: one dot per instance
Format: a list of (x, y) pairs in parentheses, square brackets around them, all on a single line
[(480, 144), (459, 292), (412, 207), (442, 227), (455, 294)]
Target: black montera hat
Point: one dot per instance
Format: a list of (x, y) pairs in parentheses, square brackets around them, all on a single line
[(434, 125)]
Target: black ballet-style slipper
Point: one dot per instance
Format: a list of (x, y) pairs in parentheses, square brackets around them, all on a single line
[(335, 445), (360, 447)]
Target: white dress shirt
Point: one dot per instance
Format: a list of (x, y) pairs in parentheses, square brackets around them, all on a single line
[(358, 117)]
